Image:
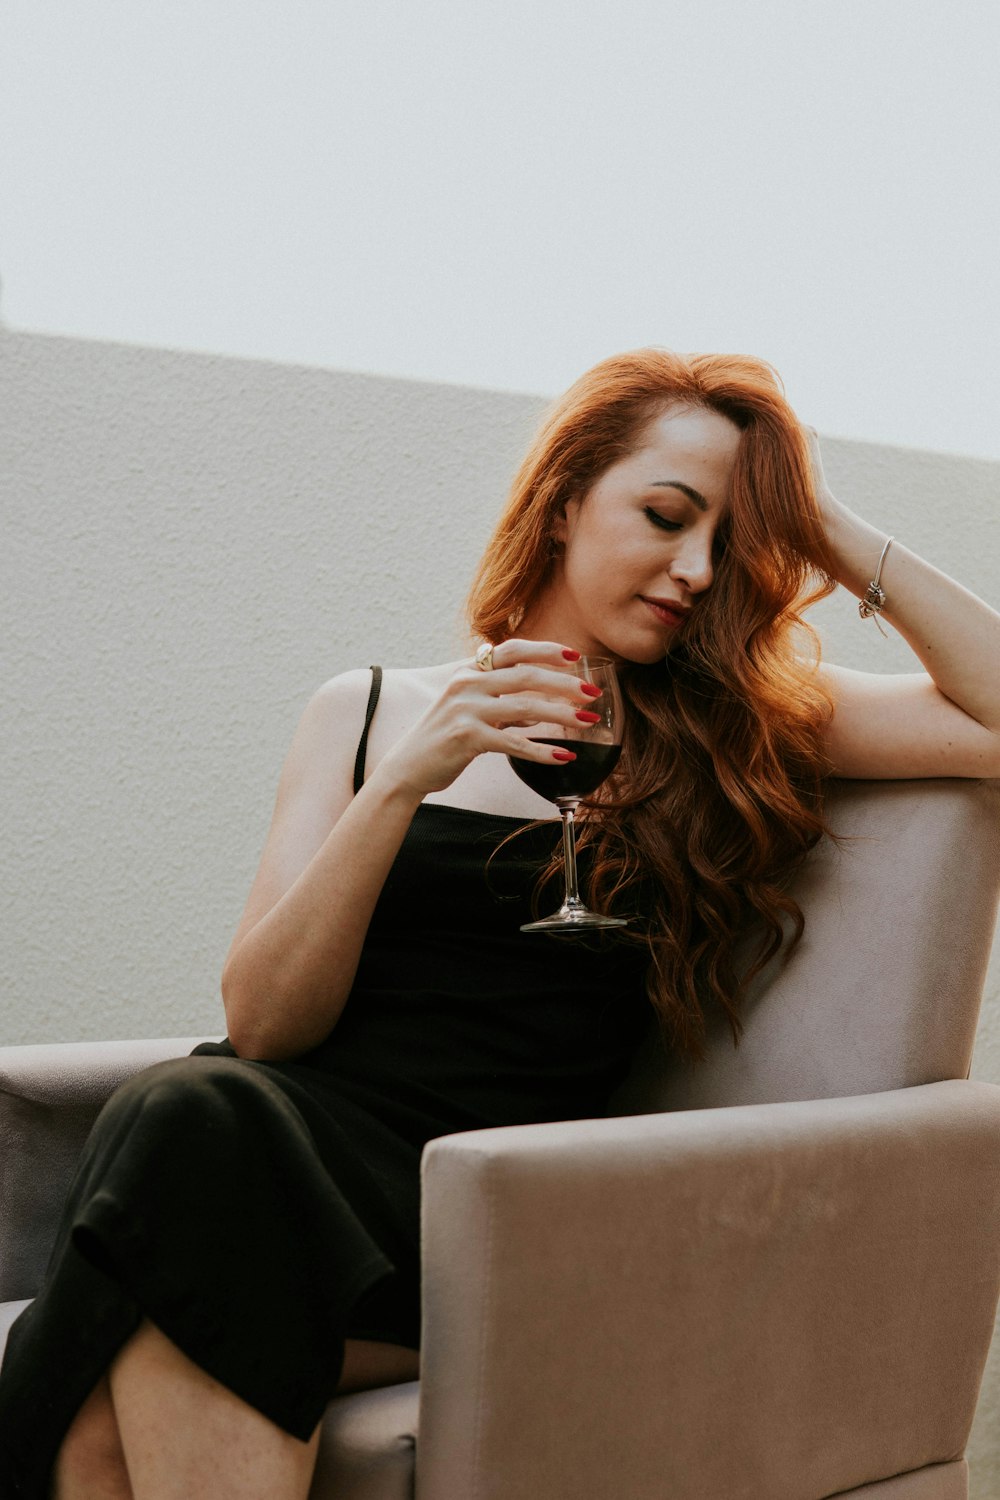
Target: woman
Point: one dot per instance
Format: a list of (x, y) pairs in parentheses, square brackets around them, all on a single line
[(378, 992)]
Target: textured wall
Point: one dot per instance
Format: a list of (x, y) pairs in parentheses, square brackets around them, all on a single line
[(192, 544)]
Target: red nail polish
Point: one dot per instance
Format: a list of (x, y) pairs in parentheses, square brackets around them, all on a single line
[(586, 717), (563, 755), (590, 690), (571, 655)]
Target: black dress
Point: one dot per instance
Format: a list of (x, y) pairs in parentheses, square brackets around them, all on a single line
[(259, 1213)]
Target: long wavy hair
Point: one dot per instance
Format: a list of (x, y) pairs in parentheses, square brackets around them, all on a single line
[(718, 794)]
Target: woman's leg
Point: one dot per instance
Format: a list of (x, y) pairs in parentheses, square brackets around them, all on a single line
[(186, 1435), (183, 1434), (184, 1429), (91, 1465), (368, 1363), (166, 1119)]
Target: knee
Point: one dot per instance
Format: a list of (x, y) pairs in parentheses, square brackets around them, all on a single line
[(90, 1460), (185, 1086), (199, 1105)]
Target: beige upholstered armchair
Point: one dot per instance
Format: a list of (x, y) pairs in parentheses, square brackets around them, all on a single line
[(773, 1277)]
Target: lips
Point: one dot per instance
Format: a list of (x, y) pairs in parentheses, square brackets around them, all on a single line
[(666, 611)]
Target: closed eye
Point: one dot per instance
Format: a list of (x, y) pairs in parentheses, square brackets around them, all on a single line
[(664, 522)]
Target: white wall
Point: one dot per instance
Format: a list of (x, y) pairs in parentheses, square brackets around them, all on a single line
[(191, 545), (506, 193)]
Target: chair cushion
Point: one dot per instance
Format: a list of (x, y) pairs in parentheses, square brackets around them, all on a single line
[(368, 1444), (884, 990), (8, 1312), (934, 1482)]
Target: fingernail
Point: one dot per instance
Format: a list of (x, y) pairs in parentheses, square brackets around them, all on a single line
[(590, 690), (586, 717), (571, 655), (563, 755)]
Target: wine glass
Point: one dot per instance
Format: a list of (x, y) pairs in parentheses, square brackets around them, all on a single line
[(596, 748)]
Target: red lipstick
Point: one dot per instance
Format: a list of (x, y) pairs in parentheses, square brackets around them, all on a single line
[(667, 611)]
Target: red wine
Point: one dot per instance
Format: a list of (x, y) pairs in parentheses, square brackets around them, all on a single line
[(573, 778)]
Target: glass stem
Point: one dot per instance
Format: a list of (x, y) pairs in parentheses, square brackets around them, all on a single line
[(567, 810)]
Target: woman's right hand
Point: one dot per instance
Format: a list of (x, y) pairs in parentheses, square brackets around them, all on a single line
[(481, 711), (293, 959)]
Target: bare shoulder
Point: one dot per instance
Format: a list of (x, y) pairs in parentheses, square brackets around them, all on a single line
[(340, 693), (334, 718), (319, 760), (337, 708), (424, 683), (348, 691), (407, 693)]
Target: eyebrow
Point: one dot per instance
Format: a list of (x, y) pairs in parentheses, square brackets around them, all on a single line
[(675, 484)]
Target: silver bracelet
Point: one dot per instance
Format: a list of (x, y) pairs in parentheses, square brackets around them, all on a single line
[(873, 602)]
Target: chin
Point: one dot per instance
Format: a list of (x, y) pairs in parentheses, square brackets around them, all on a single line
[(641, 645), (642, 654)]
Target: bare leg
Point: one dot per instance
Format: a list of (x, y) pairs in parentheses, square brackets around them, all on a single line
[(90, 1464), (368, 1364), (184, 1429), (185, 1435)]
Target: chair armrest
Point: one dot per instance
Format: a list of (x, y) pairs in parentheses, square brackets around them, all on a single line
[(50, 1096), (781, 1300)]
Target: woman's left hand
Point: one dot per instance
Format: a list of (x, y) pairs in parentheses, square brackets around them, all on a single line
[(944, 724), (825, 499)]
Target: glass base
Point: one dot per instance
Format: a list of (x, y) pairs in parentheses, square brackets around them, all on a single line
[(573, 918)]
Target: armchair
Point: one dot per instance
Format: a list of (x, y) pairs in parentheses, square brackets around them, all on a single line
[(770, 1277)]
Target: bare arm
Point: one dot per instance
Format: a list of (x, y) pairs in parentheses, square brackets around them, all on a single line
[(295, 953), (943, 722)]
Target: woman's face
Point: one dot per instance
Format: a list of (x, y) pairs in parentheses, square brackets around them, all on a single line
[(637, 547)]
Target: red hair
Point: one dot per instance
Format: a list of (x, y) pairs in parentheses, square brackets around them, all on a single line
[(718, 793)]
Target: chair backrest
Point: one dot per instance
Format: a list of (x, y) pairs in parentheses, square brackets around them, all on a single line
[(883, 991)]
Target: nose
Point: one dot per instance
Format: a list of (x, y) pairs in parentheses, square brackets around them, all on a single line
[(692, 565)]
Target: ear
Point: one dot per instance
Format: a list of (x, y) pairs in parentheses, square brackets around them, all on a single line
[(564, 520)]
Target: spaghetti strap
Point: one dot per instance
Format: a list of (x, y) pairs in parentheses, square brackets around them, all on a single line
[(359, 759)]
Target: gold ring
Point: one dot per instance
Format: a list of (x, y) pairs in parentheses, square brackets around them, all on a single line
[(484, 657)]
